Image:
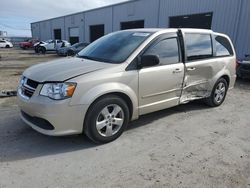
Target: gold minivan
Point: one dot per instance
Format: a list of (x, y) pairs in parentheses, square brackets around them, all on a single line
[(123, 75)]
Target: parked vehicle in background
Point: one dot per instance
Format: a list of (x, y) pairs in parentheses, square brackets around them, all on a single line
[(124, 75), (243, 68), (5, 44), (50, 45), (28, 44), (36, 46), (72, 50)]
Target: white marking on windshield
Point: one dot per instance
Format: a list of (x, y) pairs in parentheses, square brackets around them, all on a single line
[(141, 34)]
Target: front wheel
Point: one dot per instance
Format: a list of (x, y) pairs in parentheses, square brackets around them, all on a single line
[(218, 94), (42, 50), (7, 46), (106, 119)]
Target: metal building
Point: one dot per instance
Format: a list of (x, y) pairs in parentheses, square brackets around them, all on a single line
[(227, 16)]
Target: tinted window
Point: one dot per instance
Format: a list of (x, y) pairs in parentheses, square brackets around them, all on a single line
[(115, 47), (199, 46), (223, 46), (167, 50)]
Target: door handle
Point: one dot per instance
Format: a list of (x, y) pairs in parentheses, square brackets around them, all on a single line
[(191, 69), (177, 71)]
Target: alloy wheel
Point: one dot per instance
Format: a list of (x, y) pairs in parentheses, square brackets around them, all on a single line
[(220, 92), (110, 120)]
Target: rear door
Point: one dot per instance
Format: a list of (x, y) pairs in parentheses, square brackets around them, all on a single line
[(199, 65), (160, 86)]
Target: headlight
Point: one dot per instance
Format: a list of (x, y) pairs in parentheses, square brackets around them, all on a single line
[(58, 91), (21, 81)]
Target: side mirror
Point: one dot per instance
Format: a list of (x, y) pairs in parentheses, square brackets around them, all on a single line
[(149, 60)]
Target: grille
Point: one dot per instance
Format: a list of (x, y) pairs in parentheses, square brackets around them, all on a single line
[(32, 83), (28, 88)]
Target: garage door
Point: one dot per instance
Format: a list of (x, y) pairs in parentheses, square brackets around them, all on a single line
[(74, 35), (132, 24), (57, 34), (201, 21), (96, 31)]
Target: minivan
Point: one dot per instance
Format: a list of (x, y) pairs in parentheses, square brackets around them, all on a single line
[(124, 75)]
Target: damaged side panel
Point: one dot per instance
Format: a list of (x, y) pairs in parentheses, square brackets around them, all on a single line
[(199, 79), (198, 90)]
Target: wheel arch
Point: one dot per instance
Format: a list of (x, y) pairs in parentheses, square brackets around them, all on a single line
[(227, 78), (122, 95)]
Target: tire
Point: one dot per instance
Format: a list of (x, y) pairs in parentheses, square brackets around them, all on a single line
[(70, 53), (218, 94), (36, 50), (41, 50), (7, 46), (111, 124)]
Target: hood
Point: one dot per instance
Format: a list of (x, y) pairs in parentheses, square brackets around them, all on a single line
[(38, 43), (43, 43), (63, 69)]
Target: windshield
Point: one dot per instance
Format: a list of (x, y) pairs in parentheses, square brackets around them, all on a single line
[(115, 47)]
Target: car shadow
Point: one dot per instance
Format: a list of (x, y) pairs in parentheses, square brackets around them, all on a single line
[(150, 118), (18, 141)]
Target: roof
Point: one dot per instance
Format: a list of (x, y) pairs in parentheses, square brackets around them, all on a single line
[(190, 30), (127, 1)]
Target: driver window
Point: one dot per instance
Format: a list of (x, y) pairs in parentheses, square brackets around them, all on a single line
[(167, 51)]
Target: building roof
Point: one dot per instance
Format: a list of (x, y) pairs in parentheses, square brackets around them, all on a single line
[(127, 1)]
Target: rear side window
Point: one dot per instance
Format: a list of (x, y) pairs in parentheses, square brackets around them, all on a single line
[(199, 46), (223, 47), (167, 50)]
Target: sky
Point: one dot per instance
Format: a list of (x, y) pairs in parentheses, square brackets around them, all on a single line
[(16, 15)]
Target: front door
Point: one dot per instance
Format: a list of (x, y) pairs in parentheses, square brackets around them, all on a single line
[(199, 66), (160, 86)]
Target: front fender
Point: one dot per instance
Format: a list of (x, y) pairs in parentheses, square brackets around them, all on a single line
[(94, 93)]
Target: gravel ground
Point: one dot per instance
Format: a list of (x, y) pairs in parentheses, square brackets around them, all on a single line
[(186, 146)]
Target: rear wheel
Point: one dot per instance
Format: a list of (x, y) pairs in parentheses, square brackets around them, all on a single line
[(218, 94), (106, 119)]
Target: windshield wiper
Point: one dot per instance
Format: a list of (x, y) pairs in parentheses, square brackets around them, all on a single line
[(95, 59), (86, 57)]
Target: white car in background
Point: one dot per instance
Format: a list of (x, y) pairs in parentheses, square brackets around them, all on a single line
[(50, 45), (5, 44)]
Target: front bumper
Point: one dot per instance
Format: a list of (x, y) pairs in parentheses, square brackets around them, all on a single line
[(39, 111), (61, 53)]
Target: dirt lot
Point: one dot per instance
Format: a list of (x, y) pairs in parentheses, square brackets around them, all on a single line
[(12, 63), (186, 146)]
